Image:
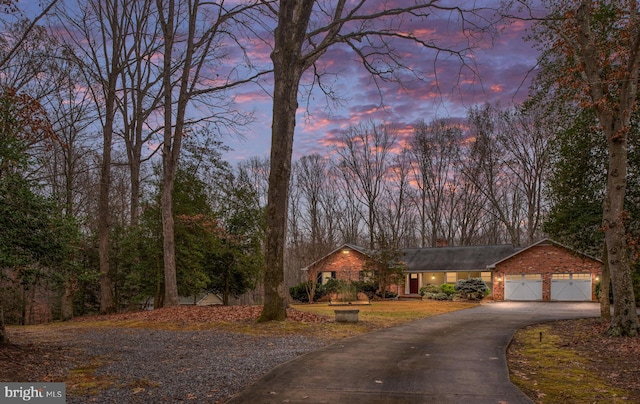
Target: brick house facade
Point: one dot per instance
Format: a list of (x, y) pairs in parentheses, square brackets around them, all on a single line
[(344, 263), (544, 271), (548, 266)]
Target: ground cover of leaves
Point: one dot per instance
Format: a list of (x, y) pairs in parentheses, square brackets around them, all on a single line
[(71, 352), (575, 361)]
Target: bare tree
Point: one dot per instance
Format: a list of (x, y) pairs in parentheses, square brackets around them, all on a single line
[(369, 31), (526, 139), (466, 208), (70, 166), (256, 171), (98, 35), (350, 219), (484, 166), (311, 179), (364, 161), (434, 148), (194, 35), (394, 220), (141, 95), (9, 6)]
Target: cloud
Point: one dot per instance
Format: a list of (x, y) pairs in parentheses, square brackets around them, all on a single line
[(437, 84)]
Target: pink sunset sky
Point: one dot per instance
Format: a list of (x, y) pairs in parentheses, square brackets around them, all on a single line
[(498, 70), (502, 71)]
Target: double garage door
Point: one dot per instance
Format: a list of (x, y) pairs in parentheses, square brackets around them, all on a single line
[(564, 287)]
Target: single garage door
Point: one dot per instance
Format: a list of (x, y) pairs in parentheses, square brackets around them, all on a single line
[(523, 287), (571, 287)]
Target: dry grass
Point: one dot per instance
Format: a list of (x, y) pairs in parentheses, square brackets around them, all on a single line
[(574, 362), (382, 314), (313, 320)]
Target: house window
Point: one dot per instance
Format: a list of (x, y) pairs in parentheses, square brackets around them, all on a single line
[(575, 277), (486, 277), (451, 277), (325, 276)]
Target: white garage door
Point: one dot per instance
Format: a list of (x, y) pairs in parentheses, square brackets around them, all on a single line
[(571, 287), (523, 287)]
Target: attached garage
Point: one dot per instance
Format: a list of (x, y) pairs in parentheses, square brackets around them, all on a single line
[(523, 287), (546, 271), (571, 287)]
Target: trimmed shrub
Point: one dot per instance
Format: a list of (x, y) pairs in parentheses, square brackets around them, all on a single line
[(367, 287), (471, 289), (429, 289), (448, 289), (332, 286)]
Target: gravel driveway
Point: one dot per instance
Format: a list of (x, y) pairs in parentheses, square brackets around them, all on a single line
[(155, 366)]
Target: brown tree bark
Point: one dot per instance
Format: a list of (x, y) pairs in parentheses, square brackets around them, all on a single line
[(613, 105), (293, 19), (605, 288), (170, 152), (295, 51)]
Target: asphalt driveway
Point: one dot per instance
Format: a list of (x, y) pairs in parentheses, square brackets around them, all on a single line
[(451, 358)]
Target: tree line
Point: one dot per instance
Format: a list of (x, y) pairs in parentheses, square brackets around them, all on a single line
[(115, 192)]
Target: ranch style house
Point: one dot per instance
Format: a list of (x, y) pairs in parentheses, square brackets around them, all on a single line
[(544, 271)]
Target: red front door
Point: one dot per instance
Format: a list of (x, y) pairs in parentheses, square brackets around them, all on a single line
[(413, 284)]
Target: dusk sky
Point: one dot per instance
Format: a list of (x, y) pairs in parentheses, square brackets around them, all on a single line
[(503, 75)]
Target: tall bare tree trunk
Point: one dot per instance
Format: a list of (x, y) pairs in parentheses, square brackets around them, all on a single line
[(66, 305), (605, 288), (107, 304), (170, 150), (296, 50), (4, 339), (293, 19), (613, 106), (625, 317)]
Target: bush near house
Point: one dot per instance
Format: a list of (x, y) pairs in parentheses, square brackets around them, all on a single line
[(471, 289), (441, 292), (299, 292), (429, 289), (367, 287), (448, 289), (466, 289)]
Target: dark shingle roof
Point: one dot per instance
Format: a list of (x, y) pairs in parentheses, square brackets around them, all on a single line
[(463, 258)]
